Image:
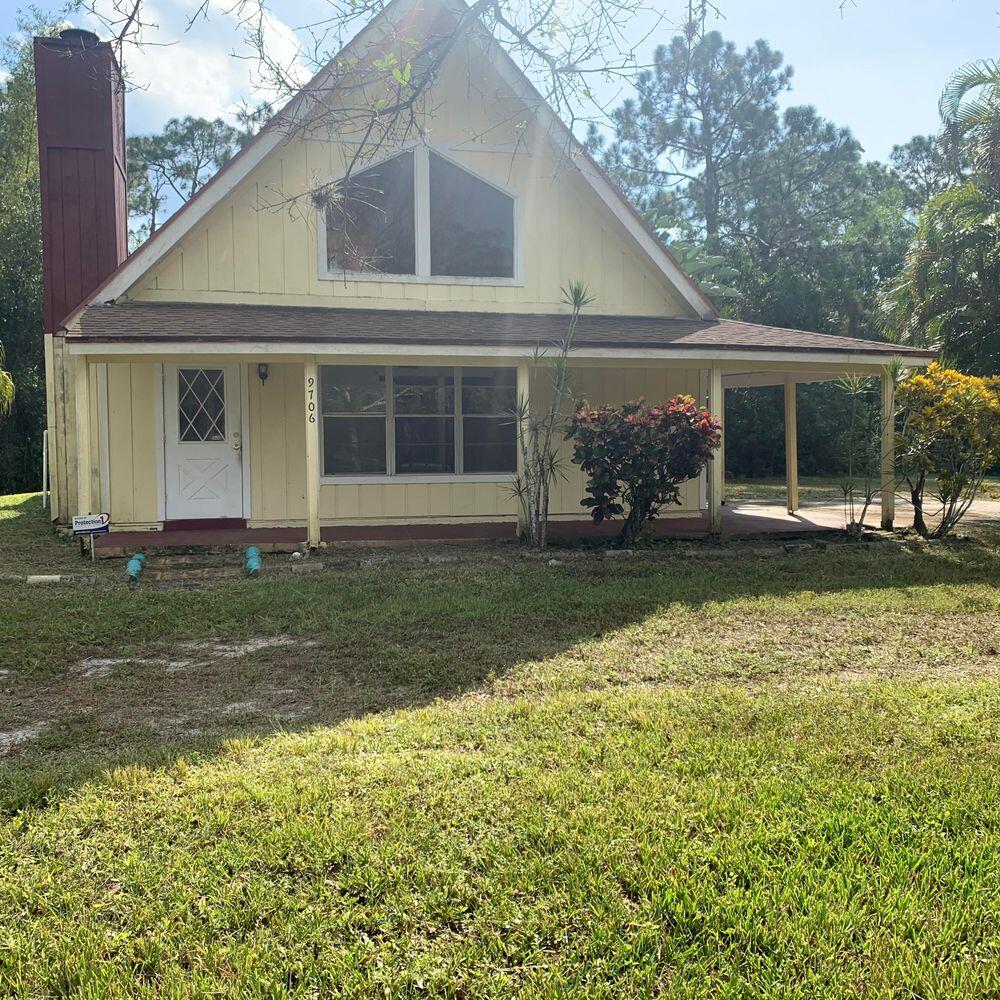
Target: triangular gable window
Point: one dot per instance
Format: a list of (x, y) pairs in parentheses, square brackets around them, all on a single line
[(421, 216), (370, 226), (471, 222)]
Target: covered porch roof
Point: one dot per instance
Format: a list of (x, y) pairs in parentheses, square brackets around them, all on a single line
[(136, 327)]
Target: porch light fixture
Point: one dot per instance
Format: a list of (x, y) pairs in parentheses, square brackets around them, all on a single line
[(262, 372)]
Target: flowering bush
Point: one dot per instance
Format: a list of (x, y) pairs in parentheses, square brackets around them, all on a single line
[(637, 456), (949, 435)]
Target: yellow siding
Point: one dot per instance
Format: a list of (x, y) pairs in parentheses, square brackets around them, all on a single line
[(260, 244), (277, 445), (133, 449), (615, 385), (277, 455), (276, 448)]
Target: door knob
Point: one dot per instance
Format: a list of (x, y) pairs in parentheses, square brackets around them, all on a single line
[(237, 446)]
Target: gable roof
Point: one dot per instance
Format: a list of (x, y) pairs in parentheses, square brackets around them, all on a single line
[(167, 237), (184, 323)]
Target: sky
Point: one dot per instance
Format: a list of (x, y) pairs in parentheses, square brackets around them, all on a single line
[(878, 66)]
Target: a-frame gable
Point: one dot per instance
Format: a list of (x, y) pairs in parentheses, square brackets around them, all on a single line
[(639, 273)]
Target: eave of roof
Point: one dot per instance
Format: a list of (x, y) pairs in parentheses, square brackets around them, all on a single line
[(176, 322)]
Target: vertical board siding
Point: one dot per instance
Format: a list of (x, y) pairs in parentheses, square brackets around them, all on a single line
[(260, 244), (277, 444), (133, 450), (246, 265), (221, 250), (120, 465), (277, 453)]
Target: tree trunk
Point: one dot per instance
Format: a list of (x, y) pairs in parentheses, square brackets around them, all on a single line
[(711, 182), (630, 529), (917, 499)]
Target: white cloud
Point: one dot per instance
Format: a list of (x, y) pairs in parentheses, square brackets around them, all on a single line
[(179, 72)]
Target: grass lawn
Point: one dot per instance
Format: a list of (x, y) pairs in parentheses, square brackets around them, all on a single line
[(689, 773)]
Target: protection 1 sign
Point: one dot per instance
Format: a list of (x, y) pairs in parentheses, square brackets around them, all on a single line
[(91, 524)]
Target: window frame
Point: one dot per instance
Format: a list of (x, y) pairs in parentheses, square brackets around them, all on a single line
[(391, 476), (422, 217)]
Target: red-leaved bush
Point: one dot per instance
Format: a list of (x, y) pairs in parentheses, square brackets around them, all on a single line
[(636, 456)]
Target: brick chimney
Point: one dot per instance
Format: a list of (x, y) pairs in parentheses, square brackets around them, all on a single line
[(81, 148)]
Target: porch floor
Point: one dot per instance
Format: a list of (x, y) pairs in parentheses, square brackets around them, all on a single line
[(740, 519)]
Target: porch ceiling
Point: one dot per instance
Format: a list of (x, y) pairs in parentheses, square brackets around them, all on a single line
[(753, 379)]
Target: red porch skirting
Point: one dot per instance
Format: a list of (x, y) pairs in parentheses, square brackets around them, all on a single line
[(746, 522)]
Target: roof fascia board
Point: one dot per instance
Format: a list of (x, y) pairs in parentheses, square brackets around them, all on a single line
[(253, 348)]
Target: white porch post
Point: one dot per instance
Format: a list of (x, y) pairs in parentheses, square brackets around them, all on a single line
[(888, 450), (722, 446), (716, 402), (312, 415), (84, 462), (791, 446)]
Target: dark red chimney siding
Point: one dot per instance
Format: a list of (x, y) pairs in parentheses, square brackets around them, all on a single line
[(81, 148)]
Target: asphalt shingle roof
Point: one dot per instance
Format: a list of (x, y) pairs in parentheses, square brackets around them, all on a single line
[(137, 322)]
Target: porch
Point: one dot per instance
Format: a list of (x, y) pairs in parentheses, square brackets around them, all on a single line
[(137, 378), (744, 519)]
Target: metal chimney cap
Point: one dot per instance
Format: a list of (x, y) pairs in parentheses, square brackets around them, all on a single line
[(81, 36)]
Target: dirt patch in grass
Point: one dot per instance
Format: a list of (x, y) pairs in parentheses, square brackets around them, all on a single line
[(16, 738), (197, 689)]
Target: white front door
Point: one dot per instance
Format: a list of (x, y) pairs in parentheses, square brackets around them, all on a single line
[(203, 441)]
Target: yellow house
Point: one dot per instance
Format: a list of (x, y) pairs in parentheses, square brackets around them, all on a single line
[(334, 368)]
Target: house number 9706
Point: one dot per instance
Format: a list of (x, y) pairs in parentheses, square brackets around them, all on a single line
[(311, 399)]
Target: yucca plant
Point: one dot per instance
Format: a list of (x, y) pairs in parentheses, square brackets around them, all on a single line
[(540, 430)]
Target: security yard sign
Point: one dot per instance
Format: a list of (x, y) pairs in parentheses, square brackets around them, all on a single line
[(91, 524)]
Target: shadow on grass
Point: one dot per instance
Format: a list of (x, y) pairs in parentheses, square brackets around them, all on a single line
[(28, 542), (105, 677)]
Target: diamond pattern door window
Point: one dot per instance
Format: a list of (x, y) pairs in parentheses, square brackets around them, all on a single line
[(201, 404)]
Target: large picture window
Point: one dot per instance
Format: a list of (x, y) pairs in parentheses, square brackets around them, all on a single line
[(354, 409), (418, 420), (420, 216)]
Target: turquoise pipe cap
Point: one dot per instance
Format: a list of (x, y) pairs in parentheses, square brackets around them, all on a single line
[(253, 560)]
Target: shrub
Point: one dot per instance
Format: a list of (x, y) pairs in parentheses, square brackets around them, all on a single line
[(948, 439), (637, 456)]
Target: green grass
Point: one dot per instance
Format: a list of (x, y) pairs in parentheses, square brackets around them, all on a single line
[(28, 543), (680, 774), (816, 489)]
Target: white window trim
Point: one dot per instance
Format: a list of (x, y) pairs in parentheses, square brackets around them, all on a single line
[(443, 478), (356, 479), (422, 214)]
